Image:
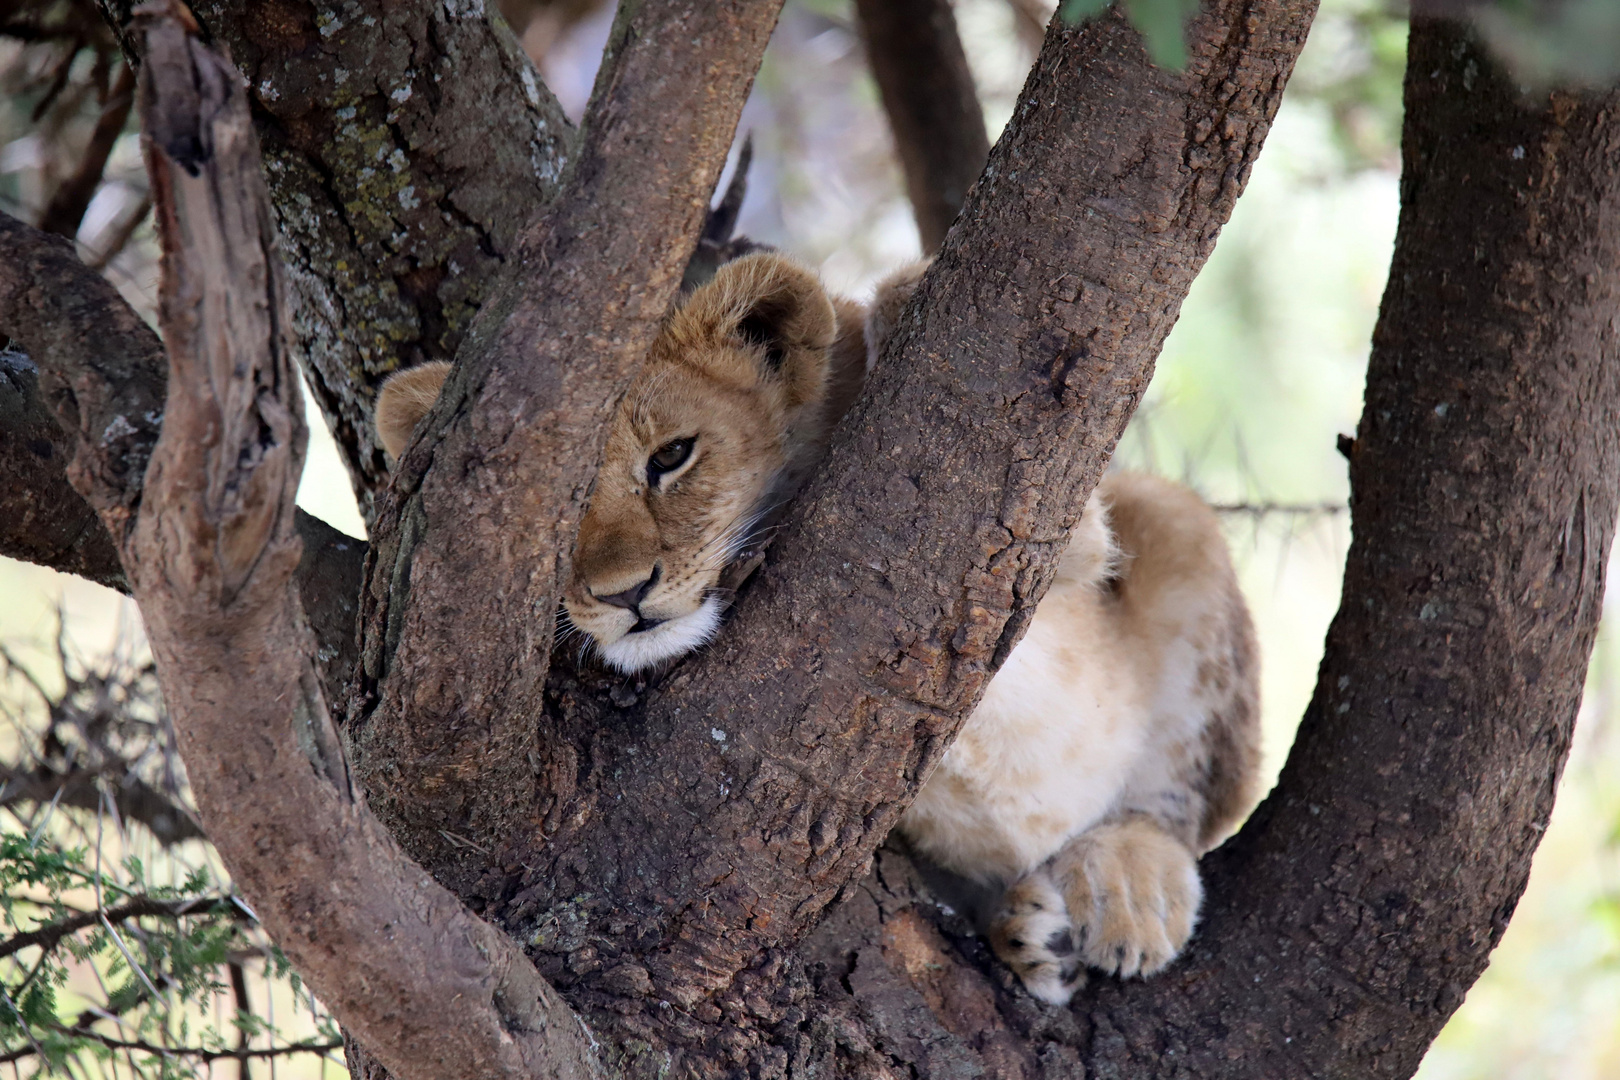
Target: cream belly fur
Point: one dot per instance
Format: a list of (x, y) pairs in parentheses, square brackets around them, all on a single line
[(1048, 751), (1117, 743)]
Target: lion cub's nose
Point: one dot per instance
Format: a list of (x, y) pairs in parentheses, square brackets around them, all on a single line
[(630, 599)]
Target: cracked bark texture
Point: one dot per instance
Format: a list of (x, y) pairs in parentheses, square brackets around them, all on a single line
[(405, 145)]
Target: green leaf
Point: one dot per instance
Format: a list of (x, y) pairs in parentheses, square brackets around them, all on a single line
[(1074, 11), (1162, 24)]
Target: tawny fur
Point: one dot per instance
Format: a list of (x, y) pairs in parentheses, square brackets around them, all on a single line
[(404, 399), (1118, 742)]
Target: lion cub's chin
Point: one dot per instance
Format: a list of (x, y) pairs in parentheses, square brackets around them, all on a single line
[(669, 640)]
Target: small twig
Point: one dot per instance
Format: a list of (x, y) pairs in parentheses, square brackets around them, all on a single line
[(244, 1009), (121, 238), (66, 208), (1265, 508), (141, 906), (196, 1052)]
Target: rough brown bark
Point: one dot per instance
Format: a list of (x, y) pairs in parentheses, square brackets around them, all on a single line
[(211, 557), (922, 74), (406, 144)]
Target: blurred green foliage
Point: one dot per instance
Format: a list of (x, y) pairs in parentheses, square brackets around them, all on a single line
[(1543, 42)]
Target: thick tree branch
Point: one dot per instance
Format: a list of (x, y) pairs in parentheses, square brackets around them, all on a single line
[(514, 440), (922, 73), (102, 375), (42, 518), (406, 144), (211, 558)]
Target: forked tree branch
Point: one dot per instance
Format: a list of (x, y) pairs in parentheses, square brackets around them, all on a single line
[(922, 73), (904, 575), (211, 551)]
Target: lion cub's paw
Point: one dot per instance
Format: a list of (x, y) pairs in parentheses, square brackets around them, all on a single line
[(1032, 934), (1133, 893)]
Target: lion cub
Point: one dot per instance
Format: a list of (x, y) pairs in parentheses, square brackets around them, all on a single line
[(1118, 742)]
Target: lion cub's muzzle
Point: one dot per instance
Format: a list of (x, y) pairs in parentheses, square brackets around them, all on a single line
[(646, 624)]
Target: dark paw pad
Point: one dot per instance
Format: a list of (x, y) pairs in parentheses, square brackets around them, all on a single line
[(1061, 944)]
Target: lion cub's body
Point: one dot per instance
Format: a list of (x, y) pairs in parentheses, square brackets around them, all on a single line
[(1118, 741), (1127, 715)]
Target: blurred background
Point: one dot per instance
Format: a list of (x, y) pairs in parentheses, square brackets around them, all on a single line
[(1262, 372)]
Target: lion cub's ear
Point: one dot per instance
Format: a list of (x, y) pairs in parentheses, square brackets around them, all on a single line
[(403, 400), (772, 305)]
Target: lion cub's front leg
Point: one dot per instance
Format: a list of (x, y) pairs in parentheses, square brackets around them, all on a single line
[(1121, 897)]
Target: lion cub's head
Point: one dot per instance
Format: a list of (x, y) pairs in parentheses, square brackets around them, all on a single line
[(720, 428), (731, 413)]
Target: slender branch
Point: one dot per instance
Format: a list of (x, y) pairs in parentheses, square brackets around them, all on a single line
[(136, 800), (67, 206), (121, 237), (1266, 509), (244, 1008), (139, 907), (927, 89), (197, 1053), (212, 560)]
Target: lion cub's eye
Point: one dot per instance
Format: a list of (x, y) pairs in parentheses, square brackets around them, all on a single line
[(669, 457)]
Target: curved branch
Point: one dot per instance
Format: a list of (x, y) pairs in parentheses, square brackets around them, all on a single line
[(212, 557), (933, 108)]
